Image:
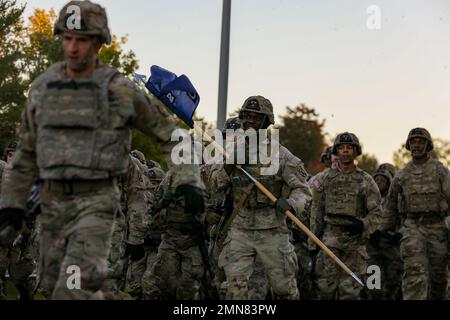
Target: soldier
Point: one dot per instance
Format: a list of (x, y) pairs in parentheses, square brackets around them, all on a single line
[(384, 247), (75, 135), (346, 209), (137, 268), (178, 270), (129, 228), (418, 202), (219, 211), (259, 230)]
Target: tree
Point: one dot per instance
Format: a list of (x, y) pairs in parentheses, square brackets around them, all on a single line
[(368, 163), (301, 131), (441, 147), (12, 81), (115, 56)]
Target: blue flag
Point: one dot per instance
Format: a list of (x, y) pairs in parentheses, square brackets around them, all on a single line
[(177, 93)]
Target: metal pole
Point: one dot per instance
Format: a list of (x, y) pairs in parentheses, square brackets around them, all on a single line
[(224, 63)]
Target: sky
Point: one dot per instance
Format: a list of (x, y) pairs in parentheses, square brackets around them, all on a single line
[(376, 83)]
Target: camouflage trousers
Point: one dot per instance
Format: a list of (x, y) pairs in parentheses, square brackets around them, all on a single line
[(332, 281), (136, 270), (117, 262), (305, 283), (75, 241), (386, 255), (177, 273), (4, 260), (424, 251), (274, 251), (22, 266)]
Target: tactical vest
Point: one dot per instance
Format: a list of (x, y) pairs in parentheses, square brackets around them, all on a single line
[(75, 138), (421, 189), (344, 194), (258, 211)]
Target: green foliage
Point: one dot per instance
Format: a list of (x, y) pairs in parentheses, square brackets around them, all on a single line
[(148, 147), (114, 55), (301, 131), (12, 82), (368, 163)]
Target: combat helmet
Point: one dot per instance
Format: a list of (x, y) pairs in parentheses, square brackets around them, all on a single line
[(11, 147), (387, 170), (347, 138), (138, 155), (152, 164), (94, 21), (258, 104), (156, 174), (420, 133), (232, 123)]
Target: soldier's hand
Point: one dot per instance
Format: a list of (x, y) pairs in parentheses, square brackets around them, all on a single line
[(135, 251), (212, 218), (375, 237), (354, 227), (11, 221), (11, 217), (282, 205), (193, 198), (229, 168)]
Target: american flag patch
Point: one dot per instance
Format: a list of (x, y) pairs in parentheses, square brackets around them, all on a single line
[(315, 183)]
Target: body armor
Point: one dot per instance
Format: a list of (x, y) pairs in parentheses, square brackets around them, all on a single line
[(76, 135)]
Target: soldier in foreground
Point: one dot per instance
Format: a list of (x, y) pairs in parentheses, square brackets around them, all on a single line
[(259, 230), (418, 203), (346, 210), (75, 135)]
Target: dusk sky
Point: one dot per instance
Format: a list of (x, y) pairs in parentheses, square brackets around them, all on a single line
[(376, 83)]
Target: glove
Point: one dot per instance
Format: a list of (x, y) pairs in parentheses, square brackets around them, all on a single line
[(375, 238), (193, 198), (135, 251), (11, 217), (354, 227), (212, 218), (282, 205), (229, 168)]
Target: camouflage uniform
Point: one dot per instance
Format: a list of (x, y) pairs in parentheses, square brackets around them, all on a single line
[(259, 231), (129, 225), (136, 269), (338, 199), (3, 249), (418, 202), (384, 251), (178, 270), (75, 135)]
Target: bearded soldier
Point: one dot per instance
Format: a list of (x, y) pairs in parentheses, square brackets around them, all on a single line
[(346, 209), (75, 135), (418, 203)]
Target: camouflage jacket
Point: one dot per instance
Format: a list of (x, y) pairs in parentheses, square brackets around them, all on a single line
[(133, 194), (258, 211), (417, 190), (338, 195)]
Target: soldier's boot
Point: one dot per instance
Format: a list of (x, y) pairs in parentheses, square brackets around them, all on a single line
[(188, 290), (238, 288), (150, 287)]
